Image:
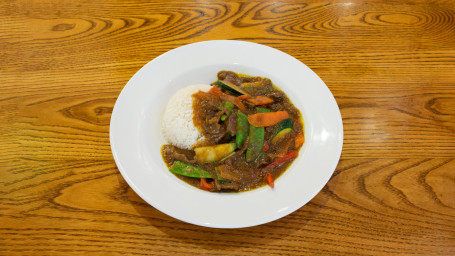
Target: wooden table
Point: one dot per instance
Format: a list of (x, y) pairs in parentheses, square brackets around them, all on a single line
[(390, 66)]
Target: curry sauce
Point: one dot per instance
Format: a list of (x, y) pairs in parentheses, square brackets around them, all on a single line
[(252, 135)]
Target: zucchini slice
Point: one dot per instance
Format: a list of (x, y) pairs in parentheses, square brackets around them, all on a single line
[(281, 134), (213, 153), (228, 86), (282, 128)]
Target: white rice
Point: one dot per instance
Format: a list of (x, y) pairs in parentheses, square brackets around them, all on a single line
[(178, 127)]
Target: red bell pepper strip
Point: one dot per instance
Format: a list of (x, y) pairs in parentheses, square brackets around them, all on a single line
[(269, 179), (205, 185), (285, 158)]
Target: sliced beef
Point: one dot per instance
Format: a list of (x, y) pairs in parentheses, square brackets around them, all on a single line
[(229, 76), (230, 186), (206, 115), (231, 124), (217, 116), (173, 153), (228, 172)]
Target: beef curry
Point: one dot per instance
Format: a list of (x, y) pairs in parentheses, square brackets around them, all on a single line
[(252, 134)]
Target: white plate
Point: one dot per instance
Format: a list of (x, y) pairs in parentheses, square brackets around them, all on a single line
[(136, 138)]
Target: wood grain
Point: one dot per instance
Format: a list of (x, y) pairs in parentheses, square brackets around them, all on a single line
[(389, 64)]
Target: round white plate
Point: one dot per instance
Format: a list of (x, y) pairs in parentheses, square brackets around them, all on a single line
[(136, 137)]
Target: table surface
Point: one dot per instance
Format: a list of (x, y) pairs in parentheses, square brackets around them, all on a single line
[(389, 64)]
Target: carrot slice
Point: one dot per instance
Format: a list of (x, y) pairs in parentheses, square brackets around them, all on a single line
[(234, 100), (243, 97), (266, 147), (299, 140), (214, 90), (269, 179), (260, 100), (267, 119), (205, 185)]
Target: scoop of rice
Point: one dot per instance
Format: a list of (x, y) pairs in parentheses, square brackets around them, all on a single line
[(178, 127)]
